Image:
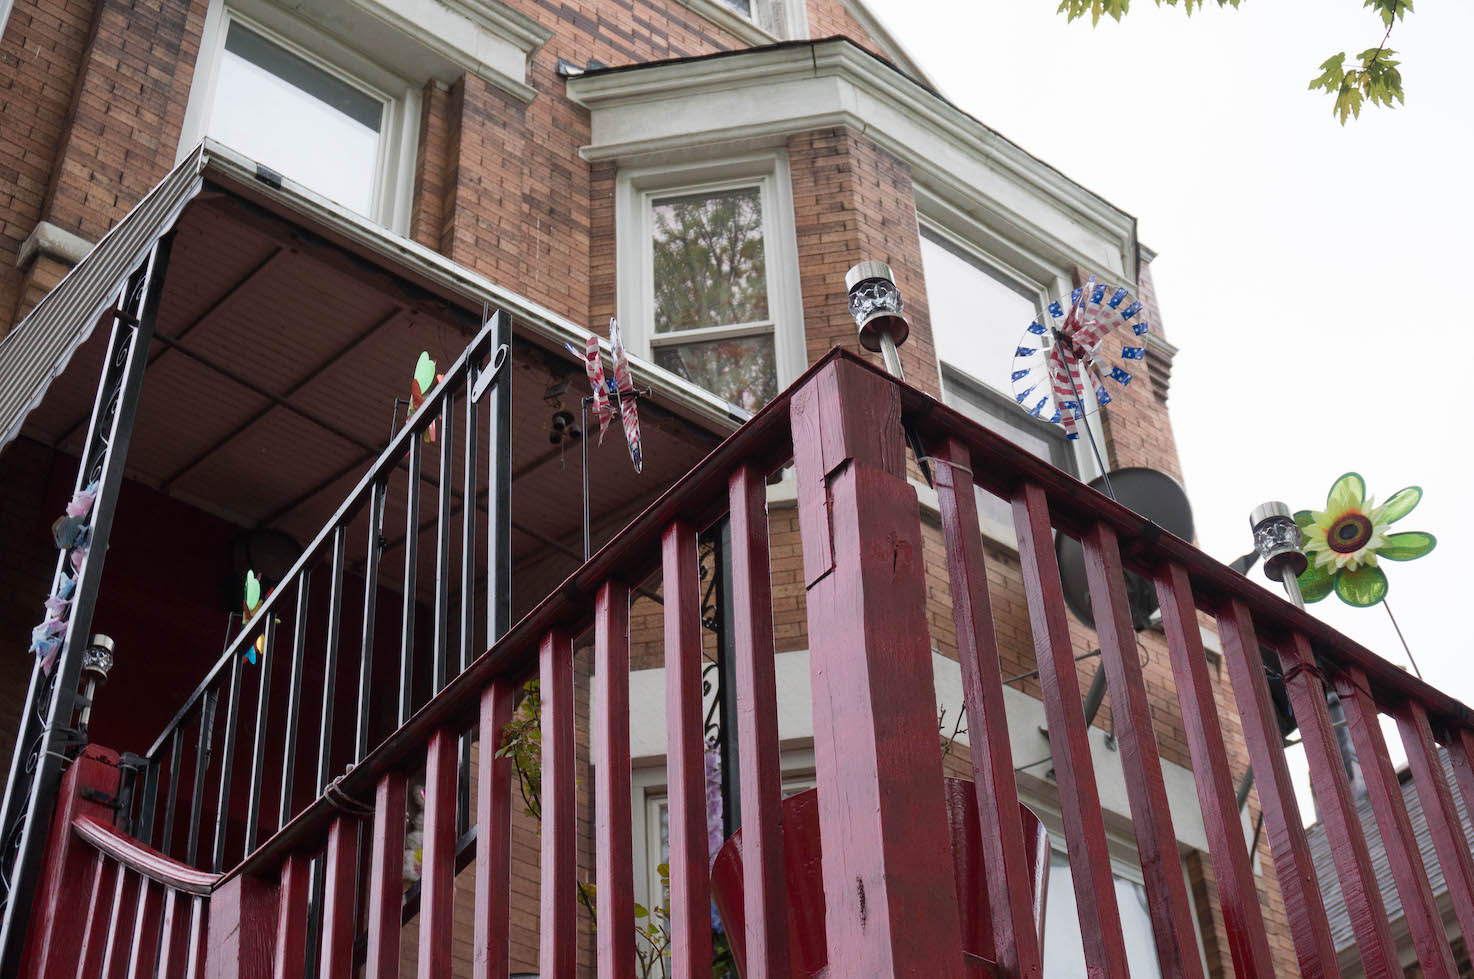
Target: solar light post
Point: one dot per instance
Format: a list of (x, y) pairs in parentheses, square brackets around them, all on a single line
[(97, 662), (876, 305), (1277, 539)]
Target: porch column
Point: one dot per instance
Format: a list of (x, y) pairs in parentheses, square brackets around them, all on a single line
[(890, 907)]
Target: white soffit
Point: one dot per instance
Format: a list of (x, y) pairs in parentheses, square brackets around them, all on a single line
[(743, 98)]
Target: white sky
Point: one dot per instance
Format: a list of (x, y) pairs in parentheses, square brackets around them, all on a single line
[(1316, 278)]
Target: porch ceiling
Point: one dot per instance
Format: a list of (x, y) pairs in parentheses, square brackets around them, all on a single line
[(272, 381)]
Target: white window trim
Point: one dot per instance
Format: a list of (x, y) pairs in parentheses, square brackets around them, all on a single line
[(791, 24), (635, 189), (394, 171)]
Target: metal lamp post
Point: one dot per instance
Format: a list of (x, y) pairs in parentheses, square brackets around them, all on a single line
[(1277, 539), (97, 662), (876, 305)]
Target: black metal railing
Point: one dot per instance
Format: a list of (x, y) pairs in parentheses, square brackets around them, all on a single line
[(200, 741)]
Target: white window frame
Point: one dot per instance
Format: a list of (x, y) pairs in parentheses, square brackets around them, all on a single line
[(636, 190), (769, 20), (394, 170)]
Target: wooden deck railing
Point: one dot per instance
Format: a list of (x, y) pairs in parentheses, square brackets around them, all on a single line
[(890, 906)]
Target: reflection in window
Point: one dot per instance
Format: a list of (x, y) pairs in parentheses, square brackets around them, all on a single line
[(976, 316), (306, 123), (1064, 956), (712, 320)]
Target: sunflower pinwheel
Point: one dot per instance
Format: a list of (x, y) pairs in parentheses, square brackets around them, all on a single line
[(1345, 541)]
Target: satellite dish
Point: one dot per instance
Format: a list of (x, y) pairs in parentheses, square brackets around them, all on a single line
[(1157, 497)]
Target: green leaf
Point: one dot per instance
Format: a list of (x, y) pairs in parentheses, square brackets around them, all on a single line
[(1303, 519), (1365, 586), (1332, 73), (425, 372), (1316, 583), (1390, 9), (1348, 488), (640, 910), (1400, 504), (1407, 546)]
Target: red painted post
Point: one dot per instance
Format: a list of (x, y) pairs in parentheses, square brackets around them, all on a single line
[(690, 888), (437, 881), (242, 926), (1131, 712), (1304, 907), (491, 953), (1012, 936), (1248, 942), (340, 870), (614, 880), (558, 948), (145, 941), (1444, 826), (1090, 860), (1419, 907), (890, 899), (1332, 789), (58, 918), (386, 878), (765, 900), (290, 958), (1460, 742)]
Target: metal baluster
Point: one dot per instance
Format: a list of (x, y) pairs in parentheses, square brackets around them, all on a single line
[(258, 737), (370, 602), (499, 488), (227, 764), (201, 762), (148, 803), (171, 794), (411, 556), (330, 660), (442, 547), (294, 699), (468, 591)]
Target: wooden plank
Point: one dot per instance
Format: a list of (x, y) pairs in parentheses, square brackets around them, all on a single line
[(890, 890), (437, 880), (386, 879), (1332, 789), (1420, 910), (1090, 860), (765, 896), (1460, 742), (340, 889), (1304, 906), (242, 919), (491, 954), (1444, 826), (105, 877), (144, 944), (558, 947), (615, 877), (199, 933), (174, 942), (290, 954), (1013, 935), (690, 888), (1248, 942), (1131, 714)]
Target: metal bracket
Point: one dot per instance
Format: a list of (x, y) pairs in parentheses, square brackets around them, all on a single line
[(498, 360), (101, 798)]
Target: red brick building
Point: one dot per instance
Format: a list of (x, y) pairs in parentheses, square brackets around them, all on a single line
[(706, 171)]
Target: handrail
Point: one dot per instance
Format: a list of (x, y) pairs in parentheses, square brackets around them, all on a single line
[(144, 860), (388, 459)]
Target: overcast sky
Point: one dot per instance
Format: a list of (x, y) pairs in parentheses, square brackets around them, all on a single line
[(1319, 280)]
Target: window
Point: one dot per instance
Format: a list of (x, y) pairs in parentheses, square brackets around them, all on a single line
[(297, 102), (1065, 956), (708, 286), (978, 312)]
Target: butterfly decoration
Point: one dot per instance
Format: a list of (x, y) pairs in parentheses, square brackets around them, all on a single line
[(1054, 363), (423, 382), (624, 382), (249, 607)]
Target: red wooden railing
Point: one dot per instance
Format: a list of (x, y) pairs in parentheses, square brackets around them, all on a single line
[(890, 909)]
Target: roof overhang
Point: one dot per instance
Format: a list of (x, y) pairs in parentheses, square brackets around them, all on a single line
[(664, 110)]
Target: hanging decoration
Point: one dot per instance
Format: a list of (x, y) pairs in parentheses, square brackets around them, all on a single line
[(1347, 539), (624, 383), (71, 532), (423, 382), (1053, 364), (249, 608)]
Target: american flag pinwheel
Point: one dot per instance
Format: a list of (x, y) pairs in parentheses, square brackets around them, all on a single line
[(1054, 364), (624, 382)]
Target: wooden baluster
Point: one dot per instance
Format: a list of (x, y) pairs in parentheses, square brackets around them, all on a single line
[(120, 926), (1332, 789), (491, 955), (386, 878), (437, 879), (99, 908), (1304, 905), (1248, 943), (1385, 791), (557, 951), (765, 898), (199, 930), (614, 883), (1090, 860), (1444, 826), (290, 956), (1131, 713), (690, 888), (145, 940), (174, 942), (340, 876), (889, 880)]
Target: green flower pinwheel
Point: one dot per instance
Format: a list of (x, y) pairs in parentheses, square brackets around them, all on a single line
[(1345, 541)]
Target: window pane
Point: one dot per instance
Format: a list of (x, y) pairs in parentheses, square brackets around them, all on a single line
[(301, 121), (743, 7), (709, 266), (741, 371), (976, 318), (1064, 956)]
